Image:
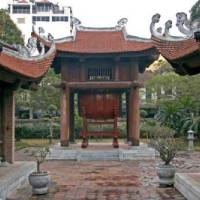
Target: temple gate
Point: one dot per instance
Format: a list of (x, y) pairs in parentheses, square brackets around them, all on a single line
[(99, 64)]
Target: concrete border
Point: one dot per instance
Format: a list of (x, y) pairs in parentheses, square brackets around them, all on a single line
[(187, 186), (14, 176)]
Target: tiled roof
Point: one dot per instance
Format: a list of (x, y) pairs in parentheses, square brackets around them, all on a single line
[(29, 68), (175, 50), (22, 1), (101, 42), (44, 1)]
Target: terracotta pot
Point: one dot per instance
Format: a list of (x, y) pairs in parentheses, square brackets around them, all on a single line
[(39, 182), (166, 174)]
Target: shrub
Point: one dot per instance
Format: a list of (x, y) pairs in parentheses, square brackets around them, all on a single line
[(37, 131), (143, 113), (162, 140)]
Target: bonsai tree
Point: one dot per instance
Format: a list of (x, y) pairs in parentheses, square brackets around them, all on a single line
[(39, 180), (163, 141), (40, 155)]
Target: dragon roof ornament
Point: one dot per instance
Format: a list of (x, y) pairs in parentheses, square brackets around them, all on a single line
[(120, 25), (28, 52), (185, 26)]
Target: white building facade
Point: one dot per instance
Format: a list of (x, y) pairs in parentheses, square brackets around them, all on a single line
[(44, 13)]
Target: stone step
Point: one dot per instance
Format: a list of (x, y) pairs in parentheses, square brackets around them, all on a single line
[(101, 155), (99, 159)]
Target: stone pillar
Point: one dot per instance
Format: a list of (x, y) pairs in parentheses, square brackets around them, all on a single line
[(31, 113), (65, 104), (134, 117), (71, 136), (8, 126), (190, 140)]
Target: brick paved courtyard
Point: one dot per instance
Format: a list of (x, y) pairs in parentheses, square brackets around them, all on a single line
[(126, 180)]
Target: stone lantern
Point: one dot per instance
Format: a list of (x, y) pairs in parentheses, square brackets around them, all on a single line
[(190, 140)]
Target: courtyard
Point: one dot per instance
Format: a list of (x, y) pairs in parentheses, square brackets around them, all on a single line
[(109, 180)]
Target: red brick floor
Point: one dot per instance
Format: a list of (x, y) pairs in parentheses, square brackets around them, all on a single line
[(128, 180)]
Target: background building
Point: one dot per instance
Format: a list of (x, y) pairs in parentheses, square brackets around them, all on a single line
[(44, 13)]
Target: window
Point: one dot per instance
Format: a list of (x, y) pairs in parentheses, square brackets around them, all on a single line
[(43, 7), (40, 19), (99, 74), (59, 19), (21, 20), (21, 9)]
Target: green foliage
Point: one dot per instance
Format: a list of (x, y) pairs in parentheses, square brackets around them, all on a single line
[(47, 98), (181, 115), (147, 128), (9, 32), (175, 86), (143, 113), (169, 115), (40, 155), (38, 131), (151, 122), (162, 140), (78, 125), (195, 11)]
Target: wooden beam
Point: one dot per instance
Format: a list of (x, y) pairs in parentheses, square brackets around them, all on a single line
[(101, 85)]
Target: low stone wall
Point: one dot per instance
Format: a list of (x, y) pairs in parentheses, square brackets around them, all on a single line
[(14, 176), (187, 185)]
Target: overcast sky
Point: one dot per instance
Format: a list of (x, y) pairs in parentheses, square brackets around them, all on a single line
[(100, 13)]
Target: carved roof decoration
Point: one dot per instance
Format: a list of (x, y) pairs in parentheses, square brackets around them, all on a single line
[(20, 63), (181, 51), (97, 40), (185, 26)]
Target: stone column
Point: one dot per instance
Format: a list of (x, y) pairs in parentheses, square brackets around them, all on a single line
[(134, 118), (65, 104), (8, 129)]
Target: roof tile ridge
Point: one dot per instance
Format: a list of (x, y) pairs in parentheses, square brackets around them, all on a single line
[(39, 57)]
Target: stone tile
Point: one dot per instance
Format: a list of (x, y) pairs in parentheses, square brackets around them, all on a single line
[(103, 180)]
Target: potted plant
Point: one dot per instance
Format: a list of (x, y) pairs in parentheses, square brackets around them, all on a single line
[(163, 141), (39, 179)]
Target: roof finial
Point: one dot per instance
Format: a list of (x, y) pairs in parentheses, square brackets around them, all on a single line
[(76, 21)]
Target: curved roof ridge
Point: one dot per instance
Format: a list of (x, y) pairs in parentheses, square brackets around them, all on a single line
[(8, 46), (39, 57), (120, 27)]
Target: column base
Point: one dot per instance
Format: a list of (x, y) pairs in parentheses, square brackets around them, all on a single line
[(64, 143), (135, 142)]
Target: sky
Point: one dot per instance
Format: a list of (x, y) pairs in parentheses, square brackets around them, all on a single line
[(106, 13)]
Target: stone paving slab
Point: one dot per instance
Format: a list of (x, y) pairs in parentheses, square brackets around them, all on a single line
[(134, 179), (14, 176)]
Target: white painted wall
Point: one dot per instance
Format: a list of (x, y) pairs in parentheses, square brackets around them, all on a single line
[(57, 29)]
